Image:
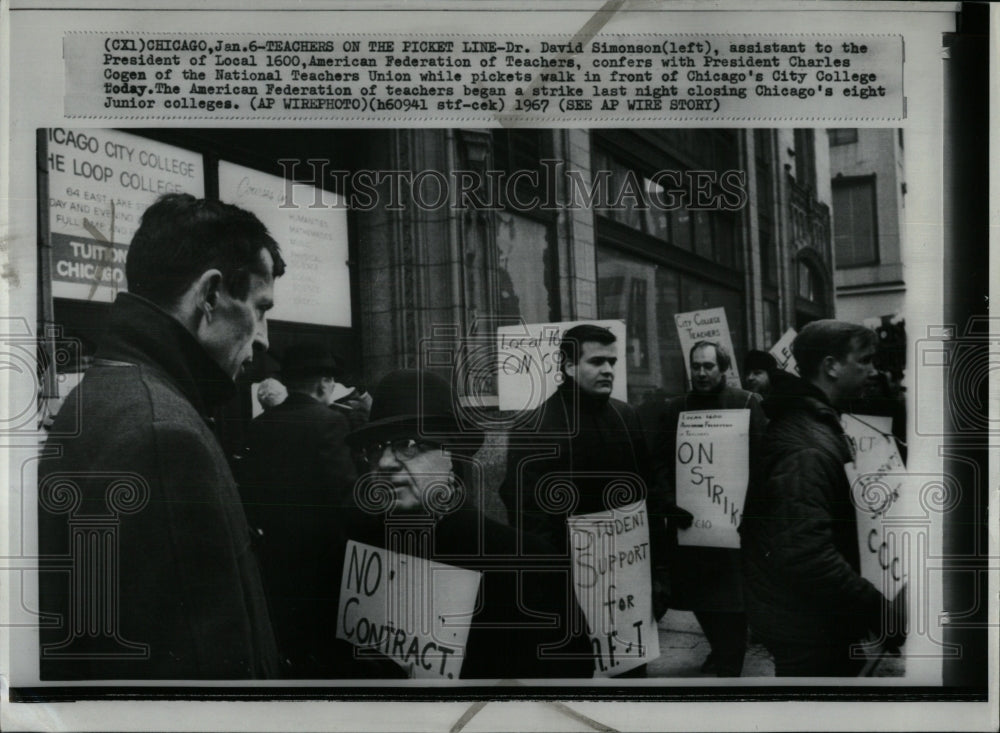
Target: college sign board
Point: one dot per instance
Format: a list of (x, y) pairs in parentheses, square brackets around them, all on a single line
[(612, 581), (706, 325), (782, 352), (877, 476), (99, 184), (528, 362), (412, 610), (713, 468)]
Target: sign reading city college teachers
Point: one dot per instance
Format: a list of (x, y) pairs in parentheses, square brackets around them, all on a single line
[(706, 325), (414, 611), (528, 362), (100, 183), (877, 476), (782, 352), (316, 286), (713, 470), (611, 577)]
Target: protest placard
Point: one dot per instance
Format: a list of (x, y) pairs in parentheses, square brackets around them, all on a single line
[(414, 611), (877, 476), (706, 325), (782, 352), (612, 580), (528, 362), (713, 468)]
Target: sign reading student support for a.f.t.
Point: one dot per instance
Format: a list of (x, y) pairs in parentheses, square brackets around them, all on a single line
[(713, 469), (528, 362), (414, 611), (706, 325), (877, 476), (611, 577)]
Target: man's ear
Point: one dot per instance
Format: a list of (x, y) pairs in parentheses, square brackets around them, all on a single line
[(830, 366), (569, 368), (206, 289)]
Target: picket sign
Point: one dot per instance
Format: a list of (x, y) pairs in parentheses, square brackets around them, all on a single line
[(713, 468), (528, 361), (706, 325), (782, 352), (612, 580), (876, 476), (414, 611)]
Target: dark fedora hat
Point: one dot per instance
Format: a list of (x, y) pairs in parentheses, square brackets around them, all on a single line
[(308, 359), (757, 359), (416, 403)]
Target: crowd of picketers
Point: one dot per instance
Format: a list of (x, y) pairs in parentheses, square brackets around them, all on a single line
[(233, 570)]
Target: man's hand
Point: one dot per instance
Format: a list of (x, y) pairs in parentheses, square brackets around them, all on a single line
[(678, 518)]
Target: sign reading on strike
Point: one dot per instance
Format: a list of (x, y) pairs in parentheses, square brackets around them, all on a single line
[(100, 183), (611, 576), (876, 476), (528, 362), (706, 325), (414, 611), (713, 470), (782, 352)]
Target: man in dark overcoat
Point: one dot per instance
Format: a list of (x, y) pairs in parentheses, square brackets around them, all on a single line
[(806, 598), (297, 478), (141, 490), (707, 580), (585, 452)]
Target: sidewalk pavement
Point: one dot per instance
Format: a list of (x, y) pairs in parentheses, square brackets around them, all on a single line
[(683, 648)]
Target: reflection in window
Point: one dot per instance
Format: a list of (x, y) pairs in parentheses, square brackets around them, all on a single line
[(524, 266), (647, 297), (810, 284)]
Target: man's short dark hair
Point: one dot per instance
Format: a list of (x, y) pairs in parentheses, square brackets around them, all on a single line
[(828, 337), (574, 339), (722, 357), (180, 237)]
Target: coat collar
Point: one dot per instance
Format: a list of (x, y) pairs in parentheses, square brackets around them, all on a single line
[(140, 332)]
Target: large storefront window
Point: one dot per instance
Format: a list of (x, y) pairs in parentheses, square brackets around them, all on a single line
[(647, 296), (524, 269)]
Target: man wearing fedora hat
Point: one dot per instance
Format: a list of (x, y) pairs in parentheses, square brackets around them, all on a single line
[(296, 481), (423, 482)]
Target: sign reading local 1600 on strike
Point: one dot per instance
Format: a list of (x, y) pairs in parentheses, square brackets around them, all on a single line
[(706, 325), (528, 362), (612, 581), (713, 470), (412, 610), (100, 182)]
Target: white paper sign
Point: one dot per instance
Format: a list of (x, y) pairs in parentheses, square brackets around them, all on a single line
[(100, 183), (414, 611), (316, 286), (876, 477), (706, 325), (713, 469), (528, 362), (612, 580), (782, 352)]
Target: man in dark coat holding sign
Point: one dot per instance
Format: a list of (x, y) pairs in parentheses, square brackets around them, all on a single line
[(593, 452), (806, 598), (707, 580)]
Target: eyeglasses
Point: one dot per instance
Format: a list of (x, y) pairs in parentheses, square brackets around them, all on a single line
[(404, 449)]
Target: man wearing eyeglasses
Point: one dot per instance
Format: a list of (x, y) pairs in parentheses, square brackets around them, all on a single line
[(422, 496)]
